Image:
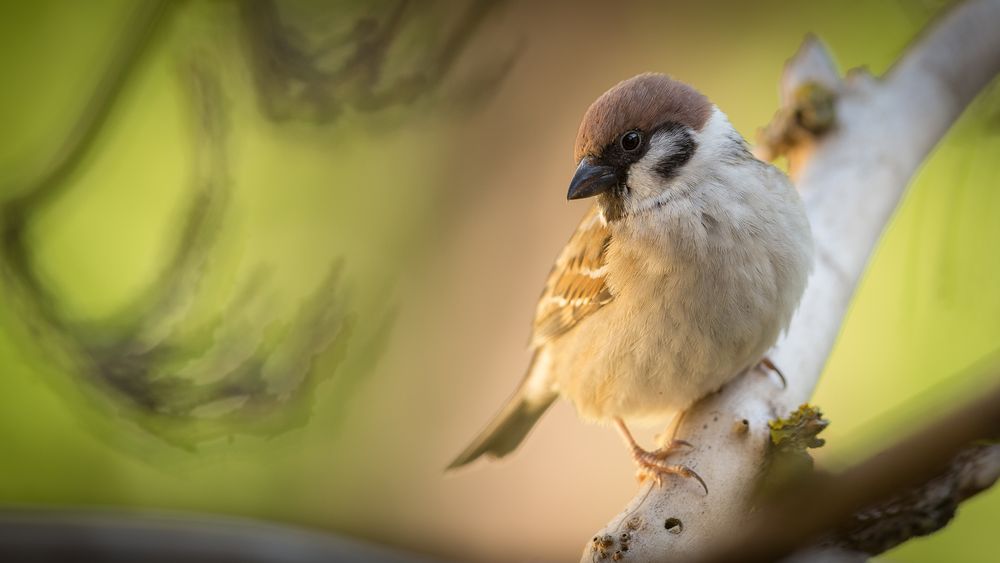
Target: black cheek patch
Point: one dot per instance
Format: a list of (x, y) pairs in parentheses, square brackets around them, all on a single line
[(670, 165)]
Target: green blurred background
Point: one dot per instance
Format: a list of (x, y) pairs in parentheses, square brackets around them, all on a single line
[(445, 209)]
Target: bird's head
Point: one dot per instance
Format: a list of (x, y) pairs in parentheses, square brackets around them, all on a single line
[(636, 141)]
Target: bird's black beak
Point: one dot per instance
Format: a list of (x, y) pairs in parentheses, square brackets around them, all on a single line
[(591, 179)]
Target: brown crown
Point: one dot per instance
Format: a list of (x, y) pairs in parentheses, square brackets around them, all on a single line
[(642, 102)]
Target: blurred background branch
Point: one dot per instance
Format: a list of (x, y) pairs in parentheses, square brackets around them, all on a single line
[(112, 536), (350, 68), (232, 374)]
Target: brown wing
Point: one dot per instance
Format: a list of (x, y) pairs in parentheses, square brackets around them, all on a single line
[(576, 286)]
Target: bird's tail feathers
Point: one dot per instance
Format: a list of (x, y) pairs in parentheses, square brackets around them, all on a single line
[(511, 425)]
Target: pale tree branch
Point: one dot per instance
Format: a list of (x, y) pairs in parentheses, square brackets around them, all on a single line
[(912, 488), (852, 172)]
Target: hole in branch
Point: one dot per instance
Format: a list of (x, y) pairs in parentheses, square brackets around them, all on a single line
[(673, 525)]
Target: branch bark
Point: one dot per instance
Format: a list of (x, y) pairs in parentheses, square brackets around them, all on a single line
[(923, 509), (910, 489), (851, 178)]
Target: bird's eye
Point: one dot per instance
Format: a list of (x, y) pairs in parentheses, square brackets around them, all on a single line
[(630, 141)]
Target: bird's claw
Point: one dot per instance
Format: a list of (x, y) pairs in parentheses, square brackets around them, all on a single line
[(657, 471), (767, 363), (651, 464)]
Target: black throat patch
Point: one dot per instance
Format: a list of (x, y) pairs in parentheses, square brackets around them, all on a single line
[(612, 206)]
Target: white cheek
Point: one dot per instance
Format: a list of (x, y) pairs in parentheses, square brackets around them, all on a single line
[(644, 181)]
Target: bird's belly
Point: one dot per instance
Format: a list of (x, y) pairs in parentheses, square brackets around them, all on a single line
[(646, 359)]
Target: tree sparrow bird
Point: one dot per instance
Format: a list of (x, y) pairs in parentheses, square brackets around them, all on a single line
[(678, 279)]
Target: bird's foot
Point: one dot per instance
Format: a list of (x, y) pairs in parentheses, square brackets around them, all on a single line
[(661, 453), (768, 364), (651, 464)]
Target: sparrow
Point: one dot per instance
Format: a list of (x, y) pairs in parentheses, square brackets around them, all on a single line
[(679, 278)]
